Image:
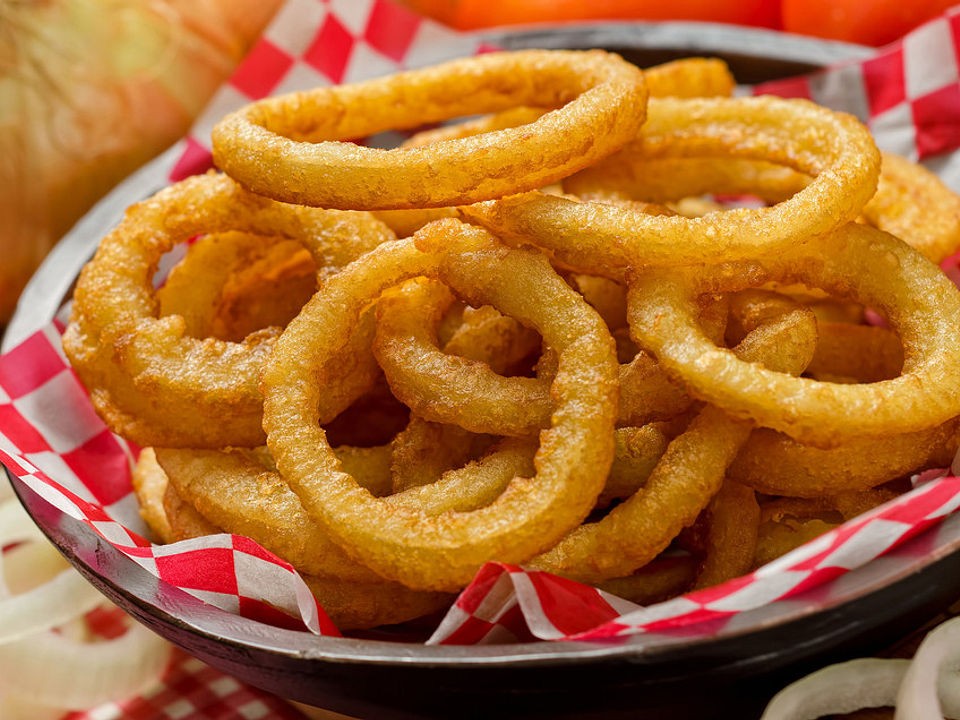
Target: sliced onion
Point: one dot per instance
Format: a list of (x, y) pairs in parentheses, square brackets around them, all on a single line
[(52, 603), (14, 708), (78, 629), (43, 673), (54, 670), (15, 525), (837, 689), (934, 663), (29, 565), (925, 688)]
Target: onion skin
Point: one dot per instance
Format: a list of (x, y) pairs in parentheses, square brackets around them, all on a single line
[(90, 90)]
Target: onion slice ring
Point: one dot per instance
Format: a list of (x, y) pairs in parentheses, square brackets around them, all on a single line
[(918, 697), (50, 668), (47, 605), (285, 147), (839, 689), (404, 544)]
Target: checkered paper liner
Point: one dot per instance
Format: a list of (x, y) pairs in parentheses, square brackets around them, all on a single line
[(51, 439)]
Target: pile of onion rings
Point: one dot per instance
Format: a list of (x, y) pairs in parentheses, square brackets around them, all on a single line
[(540, 337)]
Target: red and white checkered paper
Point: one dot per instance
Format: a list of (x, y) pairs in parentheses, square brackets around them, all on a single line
[(50, 437)]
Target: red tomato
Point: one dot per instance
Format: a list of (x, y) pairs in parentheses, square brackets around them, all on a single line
[(870, 22), (471, 14)]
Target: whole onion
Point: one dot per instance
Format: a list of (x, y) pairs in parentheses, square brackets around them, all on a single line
[(89, 90)]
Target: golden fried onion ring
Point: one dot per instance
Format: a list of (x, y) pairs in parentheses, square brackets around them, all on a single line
[(229, 285), (458, 390), (685, 479), (732, 526), (910, 202), (856, 261), (287, 147), (351, 604), (150, 381), (775, 464), (405, 544), (834, 148)]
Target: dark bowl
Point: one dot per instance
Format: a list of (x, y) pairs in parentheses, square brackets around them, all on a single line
[(728, 670)]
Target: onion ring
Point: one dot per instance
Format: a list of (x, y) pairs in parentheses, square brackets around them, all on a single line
[(185, 521), (775, 539), (775, 464), (55, 601), (231, 284), (658, 580), (910, 202), (690, 77), (149, 485), (456, 390), (447, 388), (914, 204), (922, 305), (283, 147), (444, 552), (350, 604), (600, 239), (917, 696), (80, 675), (147, 380), (839, 689), (485, 335), (859, 353), (685, 479), (235, 492), (423, 451), (636, 454), (687, 77), (732, 526)]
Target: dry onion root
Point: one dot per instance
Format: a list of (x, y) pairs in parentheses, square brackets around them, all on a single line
[(43, 671)]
